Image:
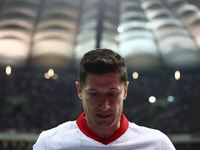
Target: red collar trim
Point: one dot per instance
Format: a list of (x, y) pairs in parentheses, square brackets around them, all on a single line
[(88, 132)]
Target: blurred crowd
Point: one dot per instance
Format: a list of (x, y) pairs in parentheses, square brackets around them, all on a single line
[(176, 109), (15, 145), (30, 103)]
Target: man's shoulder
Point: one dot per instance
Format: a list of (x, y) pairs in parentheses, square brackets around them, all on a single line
[(142, 131), (56, 137), (140, 128), (148, 137), (61, 129)]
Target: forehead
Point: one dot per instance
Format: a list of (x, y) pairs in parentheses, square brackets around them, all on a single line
[(107, 80)]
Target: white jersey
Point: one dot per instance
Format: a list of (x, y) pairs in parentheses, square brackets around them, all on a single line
[(75, 135)]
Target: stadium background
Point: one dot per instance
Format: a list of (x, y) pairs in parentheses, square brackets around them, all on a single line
[(42, 41)]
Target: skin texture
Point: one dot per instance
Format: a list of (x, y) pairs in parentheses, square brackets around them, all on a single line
[(102, 98)]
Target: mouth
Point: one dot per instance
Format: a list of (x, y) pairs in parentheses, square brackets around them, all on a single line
[(103, 116)]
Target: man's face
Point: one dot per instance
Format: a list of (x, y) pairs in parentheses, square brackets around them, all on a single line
[(102, 97)]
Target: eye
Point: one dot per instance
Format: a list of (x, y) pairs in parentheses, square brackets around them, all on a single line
[(94, 94), (113, 94)]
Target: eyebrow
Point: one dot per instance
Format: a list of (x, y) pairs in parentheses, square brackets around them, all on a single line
[(115, 89), (91, 89), (111, 89)]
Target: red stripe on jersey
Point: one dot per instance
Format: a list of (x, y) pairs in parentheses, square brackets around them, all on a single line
[(88, 132)]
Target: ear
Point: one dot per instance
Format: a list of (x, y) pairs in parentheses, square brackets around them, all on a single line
[(79, 90), (126, 90)]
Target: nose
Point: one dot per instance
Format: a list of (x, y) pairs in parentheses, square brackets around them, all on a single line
[(105, 105)]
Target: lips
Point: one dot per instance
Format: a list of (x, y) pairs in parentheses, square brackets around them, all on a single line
[(104, 116)]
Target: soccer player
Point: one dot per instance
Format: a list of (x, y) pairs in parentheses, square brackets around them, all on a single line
[(102, 87)]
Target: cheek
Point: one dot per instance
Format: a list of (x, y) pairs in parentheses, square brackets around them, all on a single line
[(116, 105), (88, 104), (120, 104)]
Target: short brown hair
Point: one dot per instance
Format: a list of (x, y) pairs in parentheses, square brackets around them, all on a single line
[(101, 61)]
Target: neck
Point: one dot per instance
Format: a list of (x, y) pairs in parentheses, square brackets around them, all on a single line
[(104, 133)]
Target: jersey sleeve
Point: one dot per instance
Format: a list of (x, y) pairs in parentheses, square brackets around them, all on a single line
[(41, 142), (166, 144)]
